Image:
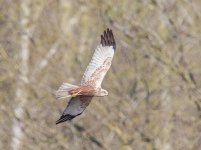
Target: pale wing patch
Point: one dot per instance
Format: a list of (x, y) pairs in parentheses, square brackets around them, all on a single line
[(99, 74), (100, 55)]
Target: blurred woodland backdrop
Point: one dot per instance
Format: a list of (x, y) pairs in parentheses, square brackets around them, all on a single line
[(154, 83)]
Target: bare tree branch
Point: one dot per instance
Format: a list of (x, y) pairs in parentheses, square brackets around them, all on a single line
[(23, 72), (44, 62)]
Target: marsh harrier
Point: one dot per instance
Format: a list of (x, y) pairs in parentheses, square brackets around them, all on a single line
[(91, 82)]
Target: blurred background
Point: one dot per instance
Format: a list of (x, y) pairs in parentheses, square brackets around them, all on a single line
[(154, 83)]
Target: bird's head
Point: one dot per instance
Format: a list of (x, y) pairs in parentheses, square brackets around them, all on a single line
[(103, 92)]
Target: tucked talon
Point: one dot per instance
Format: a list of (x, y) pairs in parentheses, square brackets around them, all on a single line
[(75, 94)]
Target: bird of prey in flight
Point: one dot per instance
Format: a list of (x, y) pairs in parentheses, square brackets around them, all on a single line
[(90, 85)]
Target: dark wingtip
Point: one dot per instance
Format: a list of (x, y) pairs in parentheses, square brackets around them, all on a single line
[(107, 38), (64, 118)]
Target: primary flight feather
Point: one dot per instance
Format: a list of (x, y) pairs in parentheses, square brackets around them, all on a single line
[(91, 82)]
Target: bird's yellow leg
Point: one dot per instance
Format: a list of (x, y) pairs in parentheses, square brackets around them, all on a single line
[(76, 94)]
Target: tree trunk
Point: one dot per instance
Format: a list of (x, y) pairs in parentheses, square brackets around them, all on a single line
[(22, 79)]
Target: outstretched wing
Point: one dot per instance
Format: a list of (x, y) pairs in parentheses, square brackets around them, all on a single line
[(101, 60), (74, 108)]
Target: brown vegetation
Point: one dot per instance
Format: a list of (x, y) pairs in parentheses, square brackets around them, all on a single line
[(154, 83)]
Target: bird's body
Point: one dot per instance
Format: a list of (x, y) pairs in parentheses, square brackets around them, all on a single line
[(91, 82), (86, 90)]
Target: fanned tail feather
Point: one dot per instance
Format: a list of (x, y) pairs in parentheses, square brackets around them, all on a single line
[(63, 91)]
